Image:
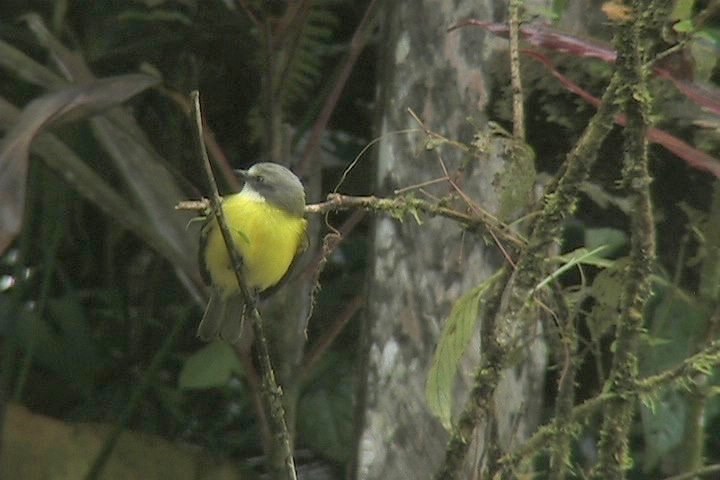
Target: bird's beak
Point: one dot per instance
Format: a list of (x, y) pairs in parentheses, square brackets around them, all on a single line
[(242, 173)]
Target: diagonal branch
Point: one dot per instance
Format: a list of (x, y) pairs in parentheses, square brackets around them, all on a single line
[(633, 46), (281, 462)]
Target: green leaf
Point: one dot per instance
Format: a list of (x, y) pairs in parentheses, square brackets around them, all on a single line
[(677, 324), (684, 26), (612, 238), (607, 290), (210, 367), (663, 427), (455, 337), (577, 257), (703, 56)]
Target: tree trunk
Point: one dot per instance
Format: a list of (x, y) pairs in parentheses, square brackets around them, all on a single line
[(420, 270)]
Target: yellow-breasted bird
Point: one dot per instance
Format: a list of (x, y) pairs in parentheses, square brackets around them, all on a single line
[(266, 223)]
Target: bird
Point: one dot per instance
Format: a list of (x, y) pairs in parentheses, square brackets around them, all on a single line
[(267, 225)]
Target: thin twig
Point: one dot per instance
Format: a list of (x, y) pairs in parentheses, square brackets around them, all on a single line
[(282, 465), (339, 235)]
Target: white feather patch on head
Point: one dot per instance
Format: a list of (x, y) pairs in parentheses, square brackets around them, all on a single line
[(251, 194)]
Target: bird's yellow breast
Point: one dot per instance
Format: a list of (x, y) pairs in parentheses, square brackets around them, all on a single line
[(267, 238)]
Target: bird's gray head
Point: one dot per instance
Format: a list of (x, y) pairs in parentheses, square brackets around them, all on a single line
[(277, 185)]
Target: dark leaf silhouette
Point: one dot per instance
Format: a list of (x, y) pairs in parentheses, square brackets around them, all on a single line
[(71, 103)]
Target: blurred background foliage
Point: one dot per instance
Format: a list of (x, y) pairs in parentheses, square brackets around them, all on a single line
[(99, 292)]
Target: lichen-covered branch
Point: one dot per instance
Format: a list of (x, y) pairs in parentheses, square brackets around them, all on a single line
[(614, 456), (400, 207), (566, 347), (675, 377)]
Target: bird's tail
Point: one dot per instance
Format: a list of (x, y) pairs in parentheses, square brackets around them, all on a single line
[(223, 318)]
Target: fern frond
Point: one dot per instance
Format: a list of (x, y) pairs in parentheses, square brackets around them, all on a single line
[(312, 43)]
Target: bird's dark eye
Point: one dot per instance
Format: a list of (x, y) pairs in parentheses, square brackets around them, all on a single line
[(260, 179)]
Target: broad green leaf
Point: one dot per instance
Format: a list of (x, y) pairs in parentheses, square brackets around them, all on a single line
[(677, 324), (455, 337), (210, 367), (607, 289), (663, 427), (704, 57), (684, 26)]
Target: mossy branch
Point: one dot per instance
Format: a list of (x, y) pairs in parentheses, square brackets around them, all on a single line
[(546, 437), (566, 348), (632, 44), (400, 207)]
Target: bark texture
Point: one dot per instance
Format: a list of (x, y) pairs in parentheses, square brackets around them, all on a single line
[(420, 270)]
